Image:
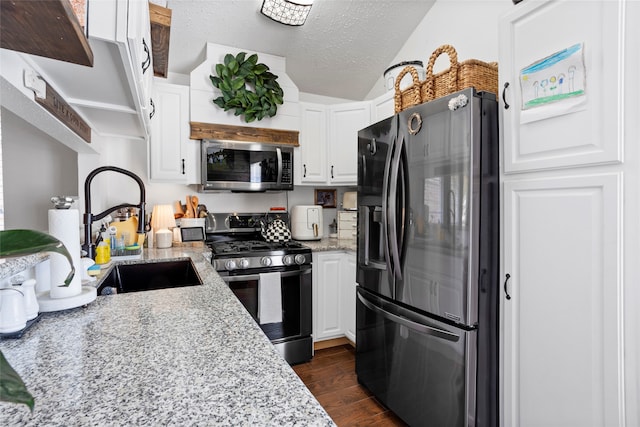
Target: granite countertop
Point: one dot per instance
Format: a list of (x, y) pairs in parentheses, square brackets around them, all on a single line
[(12, 266), (331, 244), (182, 356)]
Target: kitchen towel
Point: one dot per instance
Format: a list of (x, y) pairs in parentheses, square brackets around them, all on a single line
[(64, 225), (269, 298)]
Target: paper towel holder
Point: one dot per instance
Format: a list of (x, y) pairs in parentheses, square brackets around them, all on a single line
[(63, 202)]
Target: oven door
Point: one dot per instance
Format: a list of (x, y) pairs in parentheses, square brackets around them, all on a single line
[(246, 166), (295, 288)]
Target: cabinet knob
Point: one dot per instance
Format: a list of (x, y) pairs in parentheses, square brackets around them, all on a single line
[(182, 166), (331, 171), (304, 173)]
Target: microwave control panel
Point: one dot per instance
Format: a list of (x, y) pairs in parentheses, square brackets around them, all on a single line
[(287, 168)]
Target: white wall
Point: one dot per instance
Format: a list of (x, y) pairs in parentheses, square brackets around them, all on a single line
[(471, 26), (1, 181), (35, 168)]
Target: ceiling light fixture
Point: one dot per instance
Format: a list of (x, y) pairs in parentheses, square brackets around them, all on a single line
[(286, 11)]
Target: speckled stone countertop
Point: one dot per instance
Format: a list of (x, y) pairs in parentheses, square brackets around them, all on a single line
[(182, 356), (11, 266), (331, 244)]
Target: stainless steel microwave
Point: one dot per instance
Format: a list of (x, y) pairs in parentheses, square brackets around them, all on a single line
[(246, 166)]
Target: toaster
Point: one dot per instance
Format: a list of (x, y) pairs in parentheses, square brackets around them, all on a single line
[(306, 222)]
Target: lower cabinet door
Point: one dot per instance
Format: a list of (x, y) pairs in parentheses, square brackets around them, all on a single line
[(561, 302), (327, 309), (349, 296)]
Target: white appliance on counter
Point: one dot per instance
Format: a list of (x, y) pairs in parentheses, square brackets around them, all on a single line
[(306, 222), (350, 201)]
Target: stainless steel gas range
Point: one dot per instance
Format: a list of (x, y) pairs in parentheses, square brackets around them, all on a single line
[(271, 280)]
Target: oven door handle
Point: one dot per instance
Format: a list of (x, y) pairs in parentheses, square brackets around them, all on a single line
[(257, 276)]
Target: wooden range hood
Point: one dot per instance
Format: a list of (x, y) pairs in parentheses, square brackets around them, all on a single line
[(47, 28), (243, 133)]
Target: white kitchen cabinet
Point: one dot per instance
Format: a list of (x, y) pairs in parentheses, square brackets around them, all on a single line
[(559, 135), (139, 40), (327, 295), (113, 95), (562, 348), (348, 288), (334, 298), (345, 120), (382, 107), (173, 157), (312, 161), (568, 345), (126, 26), (329, 142)]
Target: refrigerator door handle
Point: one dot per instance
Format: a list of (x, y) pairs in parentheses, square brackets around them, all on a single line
[(429, 330), (406, 211), (385, 207), (393, 219), (364, 214)]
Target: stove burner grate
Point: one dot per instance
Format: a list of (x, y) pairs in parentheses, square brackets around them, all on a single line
[(248, 246)]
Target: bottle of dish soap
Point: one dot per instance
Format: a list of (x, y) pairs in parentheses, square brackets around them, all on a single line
[(103, 253)]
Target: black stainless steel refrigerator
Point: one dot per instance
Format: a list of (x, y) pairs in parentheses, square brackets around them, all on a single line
[(428, 236)]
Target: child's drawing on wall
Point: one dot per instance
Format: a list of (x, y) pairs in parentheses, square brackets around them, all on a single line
[(554, 78)]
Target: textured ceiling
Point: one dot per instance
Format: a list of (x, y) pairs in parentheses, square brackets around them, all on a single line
[(341, 51)]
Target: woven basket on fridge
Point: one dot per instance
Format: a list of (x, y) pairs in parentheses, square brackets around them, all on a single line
[(411, 96), (460, 75)]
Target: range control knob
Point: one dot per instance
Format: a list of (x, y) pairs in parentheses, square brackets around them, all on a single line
[(230, 265), (266, 261), (287, 260), (244, 263), (300, 259)]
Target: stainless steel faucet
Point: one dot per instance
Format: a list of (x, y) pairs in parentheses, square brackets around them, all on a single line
[(89, 246)]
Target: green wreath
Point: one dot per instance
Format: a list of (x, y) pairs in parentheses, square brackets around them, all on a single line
[(247, 87)]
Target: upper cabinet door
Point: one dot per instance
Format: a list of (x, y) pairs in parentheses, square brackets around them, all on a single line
[(345, 120), (382, 107), (171, 159), (550, 51), (313, 144)]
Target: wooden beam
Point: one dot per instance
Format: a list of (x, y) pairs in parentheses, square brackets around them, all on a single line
[(160, 35), (243, 133), (46, 28)]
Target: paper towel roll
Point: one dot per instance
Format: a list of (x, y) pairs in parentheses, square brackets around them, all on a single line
[(64, 225)]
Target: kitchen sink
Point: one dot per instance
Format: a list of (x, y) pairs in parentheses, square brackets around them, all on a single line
[(125, 278)]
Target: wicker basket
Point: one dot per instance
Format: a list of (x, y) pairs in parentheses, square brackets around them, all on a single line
[(411, 96), (460, 75)]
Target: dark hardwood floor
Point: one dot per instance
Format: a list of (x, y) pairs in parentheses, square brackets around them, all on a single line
[(331, 377)]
